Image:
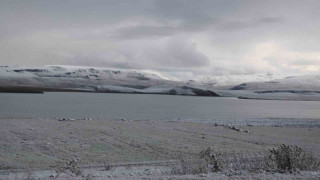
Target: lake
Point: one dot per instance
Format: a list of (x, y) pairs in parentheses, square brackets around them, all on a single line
[(147, 106)]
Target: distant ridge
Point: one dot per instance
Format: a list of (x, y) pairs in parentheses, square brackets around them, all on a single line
[(89, 79)]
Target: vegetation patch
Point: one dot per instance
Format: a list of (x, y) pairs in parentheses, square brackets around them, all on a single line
[(70, 167), (283, 159), (290, 158)]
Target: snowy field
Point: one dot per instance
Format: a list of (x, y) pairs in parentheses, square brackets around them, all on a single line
[(137, 149)]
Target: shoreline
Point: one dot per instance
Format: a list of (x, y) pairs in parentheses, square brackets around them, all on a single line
[(267, 122), (273, 97)]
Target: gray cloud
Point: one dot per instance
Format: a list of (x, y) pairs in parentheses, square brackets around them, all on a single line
[(182, 38), (177, 53), (240, 25), (146, 31), (306, 62), (171, 54)]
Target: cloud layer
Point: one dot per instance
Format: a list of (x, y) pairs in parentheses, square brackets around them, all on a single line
[(180, 39)]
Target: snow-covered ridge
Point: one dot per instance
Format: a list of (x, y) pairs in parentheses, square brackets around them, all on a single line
[(233, 80), (80, 78), (77, 74), (303, 88), (81, 72), (95, 79), (294, 84)]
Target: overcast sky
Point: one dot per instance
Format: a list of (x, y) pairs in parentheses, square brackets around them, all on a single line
[(180, 38)]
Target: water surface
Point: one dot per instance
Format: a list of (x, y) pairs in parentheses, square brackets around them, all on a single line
[(145, 106)]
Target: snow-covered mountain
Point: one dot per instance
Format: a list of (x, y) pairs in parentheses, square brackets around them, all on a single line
[(79, 78), (60, 78), (228, 81), (76, 76)]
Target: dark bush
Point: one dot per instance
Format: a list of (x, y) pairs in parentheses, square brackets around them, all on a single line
[(290, 158), (72, 167), (285, 158)]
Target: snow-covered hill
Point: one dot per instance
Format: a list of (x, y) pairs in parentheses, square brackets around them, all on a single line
[(293, 83), (306, 88), (228, 81), (76, 77), (79, 78), (94, 79)]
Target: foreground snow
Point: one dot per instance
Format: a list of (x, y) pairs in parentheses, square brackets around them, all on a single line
[(138, 149), (155, 172)]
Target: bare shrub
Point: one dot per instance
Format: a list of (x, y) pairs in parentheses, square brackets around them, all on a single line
[(207, 161), (290, 158), (212, 161), (285, 158), (72, 167)]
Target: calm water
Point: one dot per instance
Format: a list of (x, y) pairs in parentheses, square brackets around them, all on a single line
[(135, 106)]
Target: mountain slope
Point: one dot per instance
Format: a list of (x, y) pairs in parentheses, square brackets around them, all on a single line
[(228, 81), (78, 78), (303, 88), (293, 83)]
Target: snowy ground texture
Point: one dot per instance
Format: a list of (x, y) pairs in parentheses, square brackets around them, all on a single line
[(138, 149), (155, 173)]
